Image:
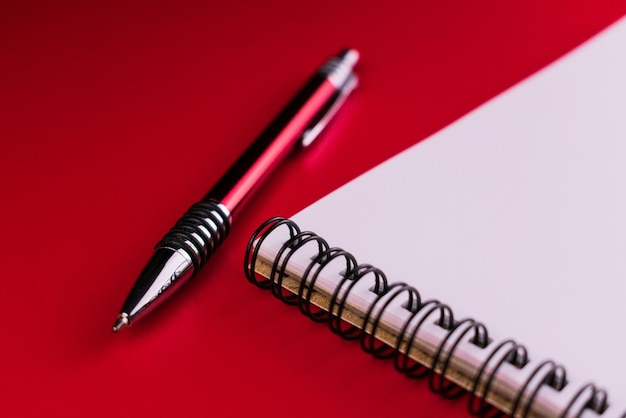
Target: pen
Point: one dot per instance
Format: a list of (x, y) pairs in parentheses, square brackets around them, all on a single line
[(194, 238)]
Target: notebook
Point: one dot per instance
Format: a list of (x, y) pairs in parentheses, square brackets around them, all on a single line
[(489, 258)]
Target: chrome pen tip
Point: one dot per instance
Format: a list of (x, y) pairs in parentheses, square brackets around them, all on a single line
[(121, 322)]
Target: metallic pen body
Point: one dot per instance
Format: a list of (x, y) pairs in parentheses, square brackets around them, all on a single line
[(198, 233)]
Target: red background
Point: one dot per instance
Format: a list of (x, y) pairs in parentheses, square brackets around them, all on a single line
[(116, 116)]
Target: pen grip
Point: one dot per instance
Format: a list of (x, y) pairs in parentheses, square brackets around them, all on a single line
[(199, 232)]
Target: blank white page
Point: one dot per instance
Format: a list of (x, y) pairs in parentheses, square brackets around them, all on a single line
[(514, 215)]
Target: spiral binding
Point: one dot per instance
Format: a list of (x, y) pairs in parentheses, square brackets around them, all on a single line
[(589, 397)]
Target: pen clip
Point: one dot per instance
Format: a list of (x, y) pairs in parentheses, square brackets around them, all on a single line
[(318, 124)]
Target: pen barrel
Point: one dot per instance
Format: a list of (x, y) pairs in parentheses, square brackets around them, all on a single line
[(199, 232), (273, 145), (304, 114)]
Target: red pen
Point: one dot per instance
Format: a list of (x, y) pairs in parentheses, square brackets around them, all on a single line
[(191, 242)]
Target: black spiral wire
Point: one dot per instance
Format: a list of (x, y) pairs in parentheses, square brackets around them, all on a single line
[(337, 303), (593, 398), (547, 373)]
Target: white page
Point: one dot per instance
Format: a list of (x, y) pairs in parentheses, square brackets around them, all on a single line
[(514, 215)]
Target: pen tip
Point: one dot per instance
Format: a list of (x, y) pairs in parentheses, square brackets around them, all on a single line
[(121, 322)]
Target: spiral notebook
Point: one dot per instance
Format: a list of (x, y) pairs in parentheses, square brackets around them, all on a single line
[(499, 247)]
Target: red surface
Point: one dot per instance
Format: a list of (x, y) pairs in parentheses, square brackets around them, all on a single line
[(116, 116)]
